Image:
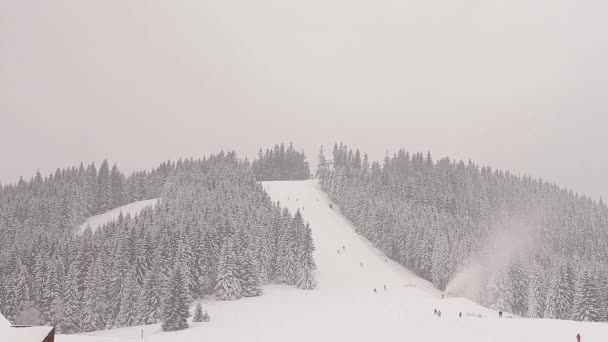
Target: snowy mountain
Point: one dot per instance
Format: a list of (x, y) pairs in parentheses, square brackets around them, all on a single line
[(345, 307)]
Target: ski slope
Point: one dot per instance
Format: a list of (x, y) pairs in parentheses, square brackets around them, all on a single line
[(132, 209), (345, 307)]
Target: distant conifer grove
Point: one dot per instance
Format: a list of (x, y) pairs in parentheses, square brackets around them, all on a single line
[(280, 163)]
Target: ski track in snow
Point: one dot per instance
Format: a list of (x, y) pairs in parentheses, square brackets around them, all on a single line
[(132, 209), (344, 307)]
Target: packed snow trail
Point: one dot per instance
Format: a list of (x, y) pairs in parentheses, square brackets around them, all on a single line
[(132, 209), (344, 307)]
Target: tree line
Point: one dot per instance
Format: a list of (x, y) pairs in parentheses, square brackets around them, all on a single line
[(280, 163), (525, 246), (214, 232)]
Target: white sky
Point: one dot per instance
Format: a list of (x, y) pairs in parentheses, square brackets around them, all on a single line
[(518, 84)]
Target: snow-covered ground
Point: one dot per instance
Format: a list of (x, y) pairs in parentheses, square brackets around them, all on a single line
[(132, 208), (345, 307)]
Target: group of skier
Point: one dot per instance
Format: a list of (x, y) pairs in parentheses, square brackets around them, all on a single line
[(342, 250), (376, 291)]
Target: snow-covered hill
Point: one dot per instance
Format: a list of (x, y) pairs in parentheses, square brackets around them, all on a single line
[(345, 306), (132, 208)]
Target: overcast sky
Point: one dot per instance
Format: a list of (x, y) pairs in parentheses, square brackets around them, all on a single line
[(518, 84)]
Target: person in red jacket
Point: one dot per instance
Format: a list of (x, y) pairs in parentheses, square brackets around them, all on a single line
[(578, 337)]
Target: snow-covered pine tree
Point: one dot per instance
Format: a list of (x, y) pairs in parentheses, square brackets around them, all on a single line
[(104, 184), (284, 244), (537, 293), (441, 269), (149, 302), (94, 306), (264, 259), (306, 262), (587, 299), (198, 313), (71, 302), (228, 284), (249, 273), (175, 308), (561, 293), (519, 283), (292, 247), (118, 187), (127, 315), (502, 290)]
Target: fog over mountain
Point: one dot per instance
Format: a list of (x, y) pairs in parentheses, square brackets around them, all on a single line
[(512, 84)]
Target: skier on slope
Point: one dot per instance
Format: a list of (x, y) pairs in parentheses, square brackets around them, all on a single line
[(384, 287), (578, 337), (375, 291), (361, 263), (500, 314)]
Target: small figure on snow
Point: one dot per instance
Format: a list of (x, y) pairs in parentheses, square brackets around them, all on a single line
[(500, 314), (338, 252), (384, 287), (435, 312), (439, 313), (343, 247), (375, 291), (578, 337), (460, 314), (361, 263)]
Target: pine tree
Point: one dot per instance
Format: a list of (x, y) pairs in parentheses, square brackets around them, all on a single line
[(536, 294), (175, 304), (198, 313), (587, 299), (104, 185), (519, 283), (560, 296), (118, 187), (248, 269), (306, 263), (71, 302), (94, 306), (128, 313), (502, 291), (228, 284), (149, 302)]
